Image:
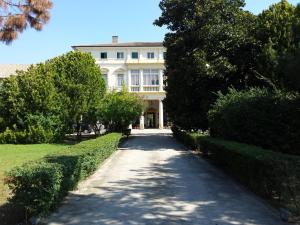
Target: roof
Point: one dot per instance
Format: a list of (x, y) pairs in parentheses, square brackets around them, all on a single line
[(128, 44), (7, 70)]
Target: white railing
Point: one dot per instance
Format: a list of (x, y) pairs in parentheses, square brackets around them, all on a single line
[(135, 88), (151, 88)]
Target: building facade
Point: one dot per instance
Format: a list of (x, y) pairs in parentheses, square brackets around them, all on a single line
[(139, 66), (7, 70)]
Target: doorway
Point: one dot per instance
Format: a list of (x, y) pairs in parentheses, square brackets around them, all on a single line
[(150, 120)]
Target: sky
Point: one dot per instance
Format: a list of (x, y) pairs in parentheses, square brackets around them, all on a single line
[(91, 22)]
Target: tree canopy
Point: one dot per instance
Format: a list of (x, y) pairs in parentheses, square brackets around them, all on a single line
[(213, 45), (210, 48), (119, 109), (49, 98)]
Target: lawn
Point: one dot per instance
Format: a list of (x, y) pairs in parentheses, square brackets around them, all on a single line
[(15, 155)]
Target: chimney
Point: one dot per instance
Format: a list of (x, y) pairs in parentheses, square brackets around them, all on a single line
[(115, 39)]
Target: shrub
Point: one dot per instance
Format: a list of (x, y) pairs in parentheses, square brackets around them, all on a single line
[(38, 129), (273, 175), (39, 186), (259, 117), (189, 139), (35, 186)]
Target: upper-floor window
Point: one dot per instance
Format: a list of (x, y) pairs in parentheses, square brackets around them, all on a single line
[(120, 80), (150, 55), (134, 55), (120, 55), (151, 77), (103, 55), (135, 77)]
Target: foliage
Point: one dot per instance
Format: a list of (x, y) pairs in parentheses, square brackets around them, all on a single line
[(12, 155), (39, 186), (275, 176), (259, 117), (278, 32), (46, 100), (15, 16), (119, 109), (211, 46)]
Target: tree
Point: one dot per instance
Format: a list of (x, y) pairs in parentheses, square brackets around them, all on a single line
[(81, 86), (278, 32), (210, 47), (45, 101), (119, 109), (16, 15)]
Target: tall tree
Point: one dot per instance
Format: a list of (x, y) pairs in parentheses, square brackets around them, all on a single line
[(80, 84), (16, 15), (278, 32), (210, 47)]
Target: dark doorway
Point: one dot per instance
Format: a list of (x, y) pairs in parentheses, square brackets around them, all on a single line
[(150, 120)]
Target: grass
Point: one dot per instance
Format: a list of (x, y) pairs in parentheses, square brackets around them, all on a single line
[(15, 155)]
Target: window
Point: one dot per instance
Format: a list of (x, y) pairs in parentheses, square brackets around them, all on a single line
[(105, 78), (103, 55), (134, 55), (120, 55), (135, 77), (120, 80), (150, 55), (151, 77)]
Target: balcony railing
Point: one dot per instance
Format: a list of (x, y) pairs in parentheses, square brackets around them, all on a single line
[(145, 88), (135, 88), (151, 88)]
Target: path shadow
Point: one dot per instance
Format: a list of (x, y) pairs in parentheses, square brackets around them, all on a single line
[(181, 189)]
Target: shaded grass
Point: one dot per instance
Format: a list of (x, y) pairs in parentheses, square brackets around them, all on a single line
[(16, 155)]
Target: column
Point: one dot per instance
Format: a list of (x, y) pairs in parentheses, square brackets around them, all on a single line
[(161, 80), (161, 115), (141, 79), (142, 122), (129, 80)]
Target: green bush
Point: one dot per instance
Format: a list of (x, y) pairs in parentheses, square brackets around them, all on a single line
[(118, 109), (273, 175), (39, 186), (259, 117), (189, 139)]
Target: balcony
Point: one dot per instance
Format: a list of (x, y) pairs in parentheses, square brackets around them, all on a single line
[(145, 88), (151, 88)]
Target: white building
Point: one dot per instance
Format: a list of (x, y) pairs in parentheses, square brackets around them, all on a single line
[(139, 66), (7, 70)]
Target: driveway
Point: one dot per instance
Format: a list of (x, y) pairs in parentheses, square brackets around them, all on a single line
[(152, 179)]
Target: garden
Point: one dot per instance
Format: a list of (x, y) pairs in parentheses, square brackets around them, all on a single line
[(40, 110), (233, 91)]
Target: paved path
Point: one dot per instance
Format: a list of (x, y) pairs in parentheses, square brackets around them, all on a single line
[(152, 180)]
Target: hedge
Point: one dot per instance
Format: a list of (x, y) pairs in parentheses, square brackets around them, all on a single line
[(39, 186), (259, 117), (273, 175)]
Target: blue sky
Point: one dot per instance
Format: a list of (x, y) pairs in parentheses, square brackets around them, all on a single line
[(94, 21)]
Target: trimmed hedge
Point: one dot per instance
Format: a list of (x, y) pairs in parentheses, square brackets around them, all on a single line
[(259, 117), (274, 176), (39, 186)]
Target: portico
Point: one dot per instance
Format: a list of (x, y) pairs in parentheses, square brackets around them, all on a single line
[(153, 115)]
